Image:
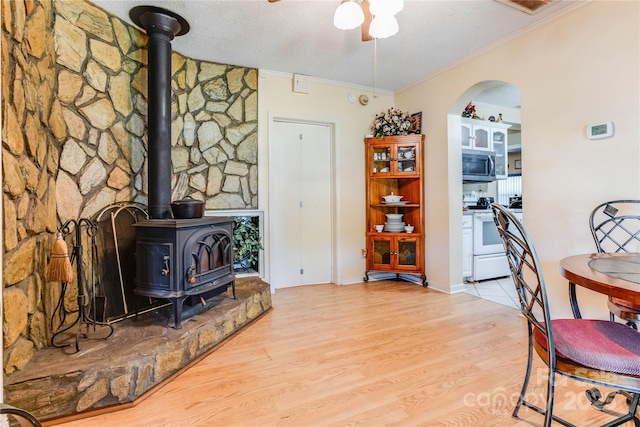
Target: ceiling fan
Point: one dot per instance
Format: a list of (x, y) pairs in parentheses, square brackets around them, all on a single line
[(376, 18), (353, 13), (366, 24)]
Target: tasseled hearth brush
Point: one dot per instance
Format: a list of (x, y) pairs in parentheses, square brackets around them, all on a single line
[(60, 269)]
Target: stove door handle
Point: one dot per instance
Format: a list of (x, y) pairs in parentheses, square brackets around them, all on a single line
[(166, 270), (191, 277)]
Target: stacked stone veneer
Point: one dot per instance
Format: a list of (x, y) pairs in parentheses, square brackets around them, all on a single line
[(74, 92)]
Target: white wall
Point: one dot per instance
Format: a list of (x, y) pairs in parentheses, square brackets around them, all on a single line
[(580, 67), (326, 101)]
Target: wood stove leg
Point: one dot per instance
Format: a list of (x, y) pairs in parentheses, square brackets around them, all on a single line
[(177, 312), (135, 305), (233, 289)]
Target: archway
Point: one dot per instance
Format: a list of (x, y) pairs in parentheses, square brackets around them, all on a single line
[(492, 99)]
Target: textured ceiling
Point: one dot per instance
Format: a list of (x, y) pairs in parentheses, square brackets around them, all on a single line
[(297, 36)]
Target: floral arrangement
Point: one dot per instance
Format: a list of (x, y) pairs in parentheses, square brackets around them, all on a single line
[(390, 122)]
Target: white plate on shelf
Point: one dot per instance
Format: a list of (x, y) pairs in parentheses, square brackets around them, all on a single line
[(404, 202)]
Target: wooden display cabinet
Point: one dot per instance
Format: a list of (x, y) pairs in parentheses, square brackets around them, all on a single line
[(394, 166)]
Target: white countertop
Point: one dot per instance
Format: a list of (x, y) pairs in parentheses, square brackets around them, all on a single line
[(472, 211)]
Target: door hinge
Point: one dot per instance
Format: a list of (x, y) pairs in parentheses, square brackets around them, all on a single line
[(301, 203), (300, 137), (302, 271)]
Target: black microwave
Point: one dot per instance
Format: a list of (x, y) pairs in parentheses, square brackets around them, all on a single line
[(478, 166)]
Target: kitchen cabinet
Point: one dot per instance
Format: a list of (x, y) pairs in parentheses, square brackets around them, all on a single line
[(487, 136), (475, 136), (394, 166), (499, 146), (467, 245)]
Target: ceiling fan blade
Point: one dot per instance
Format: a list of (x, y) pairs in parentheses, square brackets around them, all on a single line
[(367, 21), (273, 1)]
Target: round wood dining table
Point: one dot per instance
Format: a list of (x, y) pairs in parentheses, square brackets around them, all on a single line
[(613, 274)]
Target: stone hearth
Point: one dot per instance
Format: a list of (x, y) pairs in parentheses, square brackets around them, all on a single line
[(139, 356)]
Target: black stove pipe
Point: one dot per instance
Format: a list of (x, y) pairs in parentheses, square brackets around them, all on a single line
[(161, 26)]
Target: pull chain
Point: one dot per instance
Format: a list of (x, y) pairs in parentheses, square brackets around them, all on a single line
[(375, 64)]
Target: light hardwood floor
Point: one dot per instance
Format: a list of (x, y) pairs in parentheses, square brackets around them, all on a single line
[(374, 354)]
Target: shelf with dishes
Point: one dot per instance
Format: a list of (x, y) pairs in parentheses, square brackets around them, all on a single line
[(396, 205), (395, 221), (405, 229), (402, 166), (394, 192)]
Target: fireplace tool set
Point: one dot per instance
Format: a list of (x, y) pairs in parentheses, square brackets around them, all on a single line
[(60, 270), (116, 266)]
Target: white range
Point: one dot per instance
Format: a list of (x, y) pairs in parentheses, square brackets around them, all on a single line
[(489, 259)]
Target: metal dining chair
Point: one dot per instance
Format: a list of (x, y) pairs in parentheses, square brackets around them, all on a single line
[(598, 352), (13, 414), (615, 227)]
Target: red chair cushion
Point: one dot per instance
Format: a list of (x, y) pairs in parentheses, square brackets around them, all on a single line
[(624, 303), (597, 344)]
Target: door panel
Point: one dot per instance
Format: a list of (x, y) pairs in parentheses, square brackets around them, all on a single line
[(316, 204), (300, 204), (284, 198)]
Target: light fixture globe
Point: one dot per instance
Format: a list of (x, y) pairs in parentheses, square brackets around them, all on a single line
[(383, 26), (348, 15), (385, 7)]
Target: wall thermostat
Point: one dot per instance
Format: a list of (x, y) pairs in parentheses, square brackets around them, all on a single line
[(600, 130)]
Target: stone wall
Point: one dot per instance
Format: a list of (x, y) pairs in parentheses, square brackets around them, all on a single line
[(74, 83)]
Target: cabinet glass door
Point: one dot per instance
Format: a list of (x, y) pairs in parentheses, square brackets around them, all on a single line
[(381, 159), (499, 142), (406, 156), (407, 250), (481, 138), (465, 135), (382, 252)]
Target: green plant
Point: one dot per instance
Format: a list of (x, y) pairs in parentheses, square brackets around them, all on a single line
[(246, 240)]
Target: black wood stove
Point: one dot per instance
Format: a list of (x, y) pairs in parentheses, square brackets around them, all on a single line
[(184, 257), (175, 258)]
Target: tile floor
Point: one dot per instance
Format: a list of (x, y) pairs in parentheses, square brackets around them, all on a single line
[(500, 290)]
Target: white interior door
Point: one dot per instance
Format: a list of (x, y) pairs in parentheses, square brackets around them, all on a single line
[(300, 204)]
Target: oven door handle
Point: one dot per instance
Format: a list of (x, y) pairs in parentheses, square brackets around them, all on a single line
[(484, 216)]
